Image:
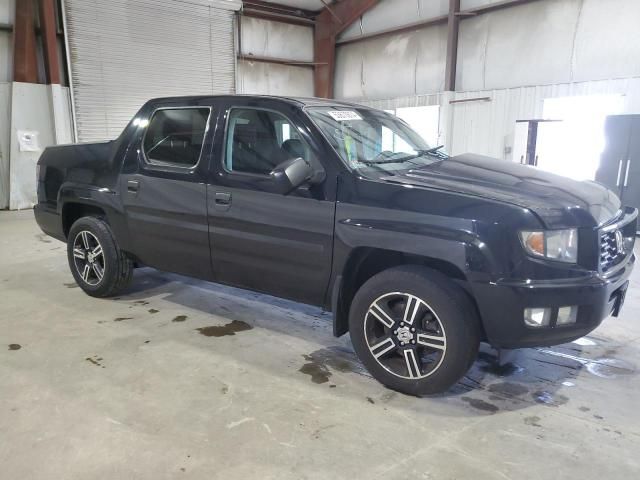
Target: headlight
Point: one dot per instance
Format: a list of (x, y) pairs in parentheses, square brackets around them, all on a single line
[(560, 245)]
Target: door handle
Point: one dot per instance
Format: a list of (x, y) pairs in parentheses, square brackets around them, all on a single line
[(133, 186), (626, 174), (223, 198), (619, 173)]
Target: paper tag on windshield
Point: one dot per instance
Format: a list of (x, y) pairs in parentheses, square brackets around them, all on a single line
[(344, 115)]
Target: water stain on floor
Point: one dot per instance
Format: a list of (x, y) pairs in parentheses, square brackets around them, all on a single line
[(604, 367), (43, 238), (533, 421), (491, 365), (95, 360), (509, 389), (339, 359), (225, 330), (610, 368), (71, 285), (120, 319), (547, 398), (479, 404), (14, 346), (179, 318), (153, 310), (318, 372)]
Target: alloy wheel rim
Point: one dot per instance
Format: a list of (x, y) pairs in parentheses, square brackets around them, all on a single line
[(405, 335), (88, 258)]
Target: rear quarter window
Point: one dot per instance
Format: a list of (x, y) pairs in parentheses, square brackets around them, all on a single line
[(175, 136)]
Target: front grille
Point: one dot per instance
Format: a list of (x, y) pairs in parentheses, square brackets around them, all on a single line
[(617, 241), (610, 256)]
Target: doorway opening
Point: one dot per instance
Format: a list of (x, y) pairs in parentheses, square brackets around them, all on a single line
[(572, 146)]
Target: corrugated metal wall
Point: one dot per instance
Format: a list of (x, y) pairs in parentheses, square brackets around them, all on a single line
[(124, 52), (264, 38), (517, 56), (540, 43), (5, 142), (488, 127), (7, 14)]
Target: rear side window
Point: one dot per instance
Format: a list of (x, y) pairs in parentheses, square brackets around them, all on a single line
[(175, 136)]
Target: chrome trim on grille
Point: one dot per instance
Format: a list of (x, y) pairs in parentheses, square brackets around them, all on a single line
[(616, 242)]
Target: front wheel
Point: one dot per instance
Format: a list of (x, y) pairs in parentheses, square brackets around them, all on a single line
[(414, 329), (98, 265)]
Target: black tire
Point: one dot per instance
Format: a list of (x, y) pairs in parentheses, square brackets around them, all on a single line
[(115, 265), (443, 331)]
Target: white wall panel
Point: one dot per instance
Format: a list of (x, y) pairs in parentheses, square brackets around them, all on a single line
[(276, 39), (526, 45), (30, 111), (6, 56), (395, 13), (274, 79), (607, 40), (7, 11), (400, 65), (124, 52), (5, 146), (550, 42), (488, 127), (7, 14)]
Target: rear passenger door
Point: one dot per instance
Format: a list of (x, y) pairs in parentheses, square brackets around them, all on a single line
[(261, 239), (163, 187)]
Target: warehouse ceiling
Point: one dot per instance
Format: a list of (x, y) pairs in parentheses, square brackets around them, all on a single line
[(304, 4)]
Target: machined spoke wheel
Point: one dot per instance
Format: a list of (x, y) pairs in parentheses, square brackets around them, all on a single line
[(405, 335), (88, 257)]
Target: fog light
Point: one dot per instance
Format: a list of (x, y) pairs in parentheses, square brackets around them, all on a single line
[(537, 317), (567, 315)]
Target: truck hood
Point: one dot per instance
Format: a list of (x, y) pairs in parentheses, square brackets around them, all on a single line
[(558, 201)]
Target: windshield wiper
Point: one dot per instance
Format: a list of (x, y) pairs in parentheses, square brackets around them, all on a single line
[(435, 152), (382, 162)]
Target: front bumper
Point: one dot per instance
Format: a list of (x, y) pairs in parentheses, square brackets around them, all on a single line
[(502, 307)]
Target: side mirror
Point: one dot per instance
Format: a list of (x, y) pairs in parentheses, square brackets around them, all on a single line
[(292, 173)]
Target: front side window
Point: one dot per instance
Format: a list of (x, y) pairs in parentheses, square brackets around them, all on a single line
[(174, 136), (373, 142), (259, 140)]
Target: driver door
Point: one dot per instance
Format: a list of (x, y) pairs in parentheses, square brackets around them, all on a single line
[(261, 239)]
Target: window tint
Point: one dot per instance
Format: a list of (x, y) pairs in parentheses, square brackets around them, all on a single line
[(259, 140), (175, 136)]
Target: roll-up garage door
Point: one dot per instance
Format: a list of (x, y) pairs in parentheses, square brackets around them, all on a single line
[(124, 52)]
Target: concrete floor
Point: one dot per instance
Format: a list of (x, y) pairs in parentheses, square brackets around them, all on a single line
[(185, 379)]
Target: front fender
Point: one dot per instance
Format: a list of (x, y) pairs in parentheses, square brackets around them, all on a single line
[(456, 241)]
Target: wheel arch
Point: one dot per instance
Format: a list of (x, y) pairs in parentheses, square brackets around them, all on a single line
[(365, 262), (73, 210)]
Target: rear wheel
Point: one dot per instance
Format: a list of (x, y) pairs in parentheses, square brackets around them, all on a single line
[(98, 265), (414, 329)]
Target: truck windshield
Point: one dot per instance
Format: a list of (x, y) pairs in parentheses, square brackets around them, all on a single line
[(374, 142)]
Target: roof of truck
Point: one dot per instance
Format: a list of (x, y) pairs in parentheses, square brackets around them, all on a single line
[(299, 101)]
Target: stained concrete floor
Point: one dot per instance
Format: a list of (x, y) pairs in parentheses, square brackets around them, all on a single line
[(184, 379)]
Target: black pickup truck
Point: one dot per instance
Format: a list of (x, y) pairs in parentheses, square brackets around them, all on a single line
[(420, 256)]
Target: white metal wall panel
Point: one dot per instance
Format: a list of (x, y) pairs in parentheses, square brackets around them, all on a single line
[(274, 79), (389, 14), (265, 38), (410, 63), (488, 128), (5, 142), (124, 52)]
